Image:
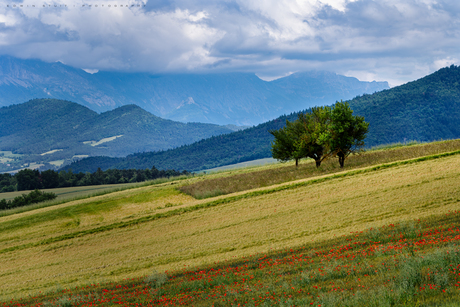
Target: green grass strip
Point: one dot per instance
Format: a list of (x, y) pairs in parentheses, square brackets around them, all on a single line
[(224, 201), (97, 192)]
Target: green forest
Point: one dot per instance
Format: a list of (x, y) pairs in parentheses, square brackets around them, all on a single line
[(424, 110)]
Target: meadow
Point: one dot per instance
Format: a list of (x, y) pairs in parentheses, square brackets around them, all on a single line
[(273, 174), (382, 234), (72, 192), (77, 193), (412, 264)]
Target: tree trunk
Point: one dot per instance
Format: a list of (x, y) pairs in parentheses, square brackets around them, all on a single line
[(318, 163), (341, 159), (296, 162)]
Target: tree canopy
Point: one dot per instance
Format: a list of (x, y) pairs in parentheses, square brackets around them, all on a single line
[(347, 132), (320, 133), (315, 125)]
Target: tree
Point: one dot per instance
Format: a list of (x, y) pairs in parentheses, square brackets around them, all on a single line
[(28, 179), (314, 126), (33, 197), (283, 147), (321, 133), (66, 179), (50, 179), (347, 132), (302, 137), (7, 183)]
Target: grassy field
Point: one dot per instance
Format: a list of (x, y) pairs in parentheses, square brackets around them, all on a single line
[(247, 164), (78, 193), (108, 239), (274, 174), (71, 192), (405, 264)]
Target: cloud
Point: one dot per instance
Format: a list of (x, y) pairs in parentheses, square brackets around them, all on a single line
[(391, 40)]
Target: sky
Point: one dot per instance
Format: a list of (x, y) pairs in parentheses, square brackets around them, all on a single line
[(382, 40)]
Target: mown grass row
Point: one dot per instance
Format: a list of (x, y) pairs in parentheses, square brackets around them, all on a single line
[(276, 175), (412, 263)]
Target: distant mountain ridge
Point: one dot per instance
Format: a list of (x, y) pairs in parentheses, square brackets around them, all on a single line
[(231, 98), (427, 109), (58, 129)]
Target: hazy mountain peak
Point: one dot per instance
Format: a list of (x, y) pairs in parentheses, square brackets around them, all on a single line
[(238, 98)]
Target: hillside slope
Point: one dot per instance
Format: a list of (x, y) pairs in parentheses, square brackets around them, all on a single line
[(424, 110), (41, 126), (249, 144)]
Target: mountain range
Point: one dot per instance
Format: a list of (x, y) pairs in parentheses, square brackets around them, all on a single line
[(229, 98), (427, 109)]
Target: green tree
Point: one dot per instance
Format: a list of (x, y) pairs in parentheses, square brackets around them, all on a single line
[(283, 146), (50, 179), (28, 179), (4, 204), (347, 132), (140, 176), (67, 179), (314, 126), (321, 133), (33, 197), (302, 137), (7, 183)]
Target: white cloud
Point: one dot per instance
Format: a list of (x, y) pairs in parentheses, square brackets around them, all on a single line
[(389, 40), (91, 71), (440, 63)]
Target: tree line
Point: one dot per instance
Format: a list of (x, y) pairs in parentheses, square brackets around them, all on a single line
[(36, 196), (320, 133), (28, 179)]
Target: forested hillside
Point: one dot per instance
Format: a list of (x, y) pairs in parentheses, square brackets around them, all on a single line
[(249, 144), (423, 110), (47, 130)]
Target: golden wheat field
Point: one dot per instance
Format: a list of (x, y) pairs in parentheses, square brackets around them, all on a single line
[(156, 228)]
